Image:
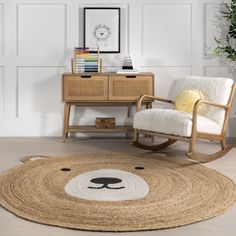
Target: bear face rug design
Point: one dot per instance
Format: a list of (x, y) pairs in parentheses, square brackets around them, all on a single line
[(115, 192)]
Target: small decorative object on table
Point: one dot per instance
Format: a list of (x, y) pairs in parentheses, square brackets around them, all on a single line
[(85, 60), (106, 122), (127, 63), (127, 66)]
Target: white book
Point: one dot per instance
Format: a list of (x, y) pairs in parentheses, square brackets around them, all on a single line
[(131, 71)]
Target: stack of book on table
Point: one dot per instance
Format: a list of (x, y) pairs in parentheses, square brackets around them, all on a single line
[(85, 60), (127, 71)]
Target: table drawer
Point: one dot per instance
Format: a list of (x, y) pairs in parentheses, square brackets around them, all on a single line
[(85, 88), (129, 87)]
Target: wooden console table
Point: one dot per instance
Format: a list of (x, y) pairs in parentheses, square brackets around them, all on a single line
[(103, 89)]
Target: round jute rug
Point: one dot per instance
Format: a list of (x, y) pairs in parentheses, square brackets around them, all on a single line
[(115, 192)]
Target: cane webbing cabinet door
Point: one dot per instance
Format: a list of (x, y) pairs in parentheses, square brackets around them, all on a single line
[(129, 87), (85, 88), (103, 89)]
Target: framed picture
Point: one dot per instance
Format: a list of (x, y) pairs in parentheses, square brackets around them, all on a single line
[(102, 29)]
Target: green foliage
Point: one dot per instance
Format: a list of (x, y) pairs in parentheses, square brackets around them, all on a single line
[(228, 47)]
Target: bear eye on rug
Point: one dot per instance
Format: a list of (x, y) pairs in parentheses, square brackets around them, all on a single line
[(115, 191)]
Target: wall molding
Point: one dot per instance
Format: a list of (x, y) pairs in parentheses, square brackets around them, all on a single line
[(2, 32), (18, 5), (143, 35), (2, 91), (18, 81)]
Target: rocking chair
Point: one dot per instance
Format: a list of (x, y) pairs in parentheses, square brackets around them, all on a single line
[(188, 126)]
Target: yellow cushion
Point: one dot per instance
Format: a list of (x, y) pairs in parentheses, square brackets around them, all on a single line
[(186, 99)]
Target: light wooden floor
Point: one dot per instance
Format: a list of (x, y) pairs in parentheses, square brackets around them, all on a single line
[(12, 149)]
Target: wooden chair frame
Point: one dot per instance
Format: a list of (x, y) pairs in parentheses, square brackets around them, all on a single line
[(194, 135)]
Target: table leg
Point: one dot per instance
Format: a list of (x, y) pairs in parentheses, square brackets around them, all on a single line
[(128, 115), (66, 120)]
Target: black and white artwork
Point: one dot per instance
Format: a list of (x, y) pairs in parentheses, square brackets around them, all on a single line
[(102, 29)]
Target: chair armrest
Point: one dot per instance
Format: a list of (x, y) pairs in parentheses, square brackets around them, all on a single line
[(200, 101), (195, 111), (139, 103), (213, 104)]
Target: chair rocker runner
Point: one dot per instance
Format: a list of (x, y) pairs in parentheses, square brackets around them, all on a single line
[(189, 126)]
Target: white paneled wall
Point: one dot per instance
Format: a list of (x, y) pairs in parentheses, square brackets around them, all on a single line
[(1, 29), (2, 91), (173, 37), (42, 98), (166, 76), (170, 38), (41, 29)]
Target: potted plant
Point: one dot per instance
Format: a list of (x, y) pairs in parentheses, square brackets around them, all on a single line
[(228, 46)]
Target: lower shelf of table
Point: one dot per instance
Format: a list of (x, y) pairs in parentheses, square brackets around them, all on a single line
[(92, 129)]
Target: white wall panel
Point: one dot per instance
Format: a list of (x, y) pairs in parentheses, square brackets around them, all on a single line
[(213, 26), (39, 92), (167, 29), (41, 29), (2, 92), (1, 29), (221, 71), (165, 76)]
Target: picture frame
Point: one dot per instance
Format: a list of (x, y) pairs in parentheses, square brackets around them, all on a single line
[(102, 29)]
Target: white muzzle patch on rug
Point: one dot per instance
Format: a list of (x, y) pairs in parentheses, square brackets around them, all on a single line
[(107, 185)]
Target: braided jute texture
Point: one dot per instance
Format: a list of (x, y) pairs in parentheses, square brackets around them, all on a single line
[(180, 193)]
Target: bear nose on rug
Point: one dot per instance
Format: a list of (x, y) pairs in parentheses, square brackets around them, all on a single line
[(105, 181)]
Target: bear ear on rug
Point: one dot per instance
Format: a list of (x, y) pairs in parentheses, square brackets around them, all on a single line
[(198, 108), (33, 158), (115, 192)]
